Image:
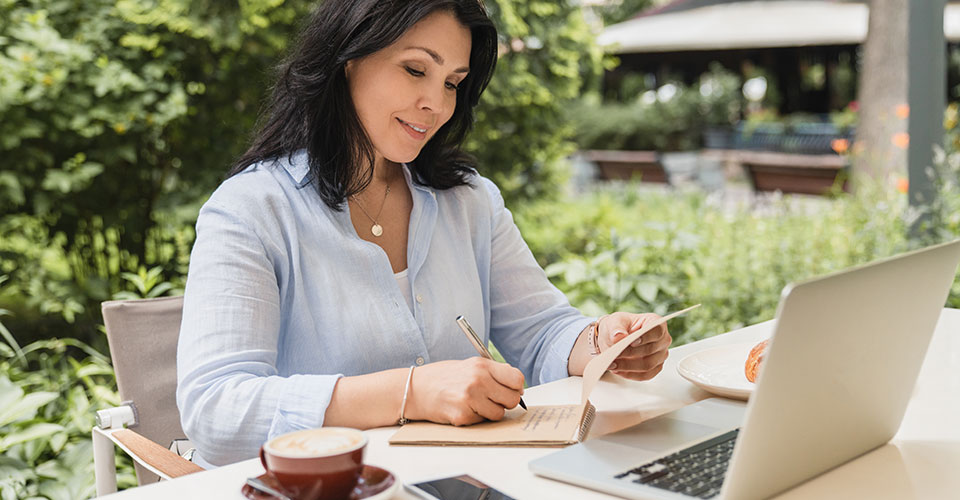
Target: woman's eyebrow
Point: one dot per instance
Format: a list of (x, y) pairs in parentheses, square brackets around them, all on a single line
[(439, 60)]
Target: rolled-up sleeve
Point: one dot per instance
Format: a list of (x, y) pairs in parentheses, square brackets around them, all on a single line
[(230, 394), (531, 322)]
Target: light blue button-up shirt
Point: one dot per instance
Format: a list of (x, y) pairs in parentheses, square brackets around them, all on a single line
[(283, 298)]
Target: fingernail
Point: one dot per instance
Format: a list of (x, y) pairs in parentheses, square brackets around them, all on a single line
[(613, 366)]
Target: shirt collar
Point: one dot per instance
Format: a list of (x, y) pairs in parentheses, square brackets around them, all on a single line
[(408, 176), (297, 166)]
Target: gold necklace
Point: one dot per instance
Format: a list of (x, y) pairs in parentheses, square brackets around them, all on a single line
[(376, 229)]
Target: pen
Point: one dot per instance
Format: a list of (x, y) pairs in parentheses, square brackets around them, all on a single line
[(477, 343)]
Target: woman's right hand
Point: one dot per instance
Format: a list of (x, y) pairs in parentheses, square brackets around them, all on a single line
[(463, 392)]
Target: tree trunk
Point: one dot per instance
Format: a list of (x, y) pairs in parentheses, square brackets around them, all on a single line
[(880, 150)]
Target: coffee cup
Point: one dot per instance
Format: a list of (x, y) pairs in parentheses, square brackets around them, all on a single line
[(316, 464)]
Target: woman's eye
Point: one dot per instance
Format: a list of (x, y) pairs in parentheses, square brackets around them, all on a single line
[(414, 72), (453, 86)]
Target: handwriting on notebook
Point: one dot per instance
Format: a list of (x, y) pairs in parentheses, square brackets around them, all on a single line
[(548, 425), (550, 417)]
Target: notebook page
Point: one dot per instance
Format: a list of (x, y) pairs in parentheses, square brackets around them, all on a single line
[(598, 365)]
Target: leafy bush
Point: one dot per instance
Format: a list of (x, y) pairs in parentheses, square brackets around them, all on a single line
[(522, 135), (634, 126), (50, 391), (617, 12), (944, 211), (671, 118), (651, 250), (115, 115)]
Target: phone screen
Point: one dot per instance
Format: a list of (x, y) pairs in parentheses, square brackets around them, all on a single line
[(457, 488)]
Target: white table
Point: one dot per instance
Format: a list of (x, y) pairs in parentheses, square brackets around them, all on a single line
[(921, 462)]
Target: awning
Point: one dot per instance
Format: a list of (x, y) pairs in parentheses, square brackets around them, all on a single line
[(751, 24)]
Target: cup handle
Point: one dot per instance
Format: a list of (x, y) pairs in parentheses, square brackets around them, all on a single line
[(263, 460)]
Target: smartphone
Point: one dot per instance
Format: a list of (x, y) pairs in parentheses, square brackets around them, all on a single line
[(462, 487)]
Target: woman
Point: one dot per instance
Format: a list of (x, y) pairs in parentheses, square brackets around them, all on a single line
[(351, 235)]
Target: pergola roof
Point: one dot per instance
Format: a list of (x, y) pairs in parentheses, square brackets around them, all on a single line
[(751, 24)]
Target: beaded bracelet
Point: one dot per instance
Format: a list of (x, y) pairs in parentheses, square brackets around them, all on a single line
[(406, 390)]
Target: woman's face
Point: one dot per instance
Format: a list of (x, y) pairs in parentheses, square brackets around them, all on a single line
[(404, 93)]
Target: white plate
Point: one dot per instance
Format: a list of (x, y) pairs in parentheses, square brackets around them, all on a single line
[(719, 370)]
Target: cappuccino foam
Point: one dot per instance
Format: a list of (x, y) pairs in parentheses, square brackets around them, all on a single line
[(315, 442)]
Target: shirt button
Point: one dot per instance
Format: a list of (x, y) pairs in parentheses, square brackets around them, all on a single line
[(419, 360), (419, 299)]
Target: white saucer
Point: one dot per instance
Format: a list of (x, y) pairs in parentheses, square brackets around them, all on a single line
[(719, 370)]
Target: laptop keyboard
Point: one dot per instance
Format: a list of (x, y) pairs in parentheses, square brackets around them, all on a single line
[(696, 471)]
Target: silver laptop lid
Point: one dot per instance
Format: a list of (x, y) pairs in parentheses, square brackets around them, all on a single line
[(838, 374)]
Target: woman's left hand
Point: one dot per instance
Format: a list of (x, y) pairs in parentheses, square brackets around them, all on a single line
[(644, 358)]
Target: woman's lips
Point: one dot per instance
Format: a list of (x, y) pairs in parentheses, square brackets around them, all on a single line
[(412, 130)]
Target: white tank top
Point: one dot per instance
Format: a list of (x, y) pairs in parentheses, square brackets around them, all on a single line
[(404, 283)]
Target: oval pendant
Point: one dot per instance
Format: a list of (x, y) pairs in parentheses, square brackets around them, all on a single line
[(376, 230)]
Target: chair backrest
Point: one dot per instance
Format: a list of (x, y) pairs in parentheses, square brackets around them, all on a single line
[(143, 346)]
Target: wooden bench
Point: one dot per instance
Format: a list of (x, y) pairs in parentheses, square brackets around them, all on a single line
[(626, 165), (793, 173)]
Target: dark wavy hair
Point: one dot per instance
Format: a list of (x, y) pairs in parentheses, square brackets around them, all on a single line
[(310, 106)]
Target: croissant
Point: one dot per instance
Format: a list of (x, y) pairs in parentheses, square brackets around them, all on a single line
[(752, 366)]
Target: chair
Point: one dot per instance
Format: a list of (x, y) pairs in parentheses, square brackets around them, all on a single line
[(143, 347)]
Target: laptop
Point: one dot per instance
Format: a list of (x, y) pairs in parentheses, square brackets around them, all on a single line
[(840, 368)]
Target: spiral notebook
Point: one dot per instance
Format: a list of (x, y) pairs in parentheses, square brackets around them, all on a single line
[(539, 426)]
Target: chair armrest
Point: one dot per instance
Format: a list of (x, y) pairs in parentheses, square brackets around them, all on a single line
[(162, 461), (149, 455)]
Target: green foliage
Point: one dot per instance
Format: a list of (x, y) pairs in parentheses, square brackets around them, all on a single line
[(634, 126), (628, 248), (5, 333), (720, 96), (845, 119), (671, 118), (50, 391), (522, 135), (622, 10), (608, 278), (944, 211), (117, 117), (147, 285)]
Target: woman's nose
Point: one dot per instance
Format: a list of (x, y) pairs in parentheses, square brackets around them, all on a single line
[(432, 99)]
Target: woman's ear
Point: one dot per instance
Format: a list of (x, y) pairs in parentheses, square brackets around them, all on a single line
[(347, 69)]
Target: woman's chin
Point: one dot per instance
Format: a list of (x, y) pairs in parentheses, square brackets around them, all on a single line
[(403, 158)]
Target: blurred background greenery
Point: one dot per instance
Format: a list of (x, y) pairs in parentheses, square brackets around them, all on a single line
[(119, 117)]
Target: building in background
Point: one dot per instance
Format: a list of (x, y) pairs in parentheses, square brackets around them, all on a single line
[(807, 50)]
